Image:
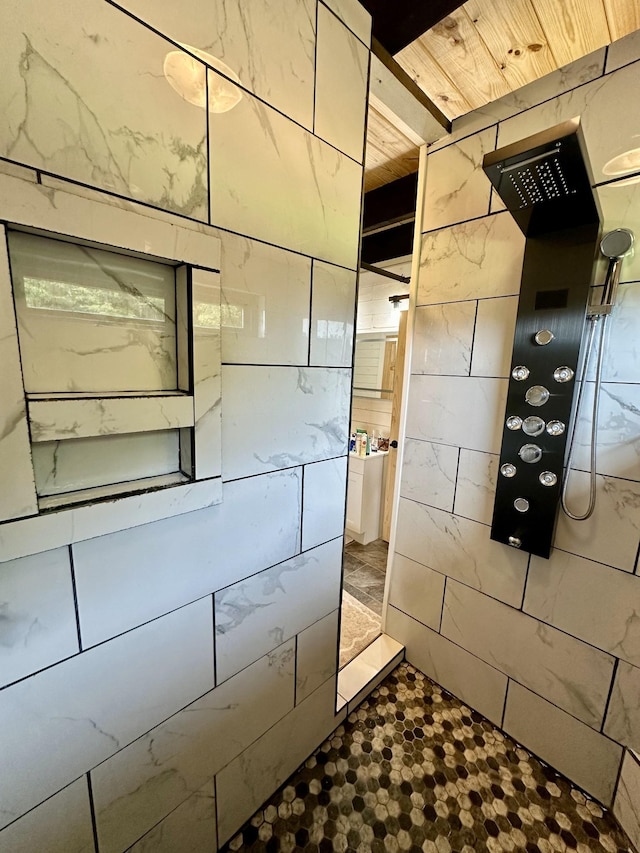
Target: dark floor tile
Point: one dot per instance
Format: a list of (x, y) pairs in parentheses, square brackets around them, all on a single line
[(414, 769), (363, 597), (365, 576), (351, 563)]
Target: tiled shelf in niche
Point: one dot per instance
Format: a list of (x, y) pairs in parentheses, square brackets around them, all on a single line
[(118, 334)]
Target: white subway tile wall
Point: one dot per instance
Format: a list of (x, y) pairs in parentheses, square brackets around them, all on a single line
[(550, 650), (131, 673)]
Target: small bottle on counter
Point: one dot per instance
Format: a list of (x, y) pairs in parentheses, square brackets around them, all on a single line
[(374, 442)]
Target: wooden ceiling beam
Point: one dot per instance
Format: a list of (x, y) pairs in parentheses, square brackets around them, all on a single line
[(390, 97)]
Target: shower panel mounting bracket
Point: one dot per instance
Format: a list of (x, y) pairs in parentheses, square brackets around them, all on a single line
[(545, 182)]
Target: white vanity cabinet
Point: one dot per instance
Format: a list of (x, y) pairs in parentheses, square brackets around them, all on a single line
[(365, 492)]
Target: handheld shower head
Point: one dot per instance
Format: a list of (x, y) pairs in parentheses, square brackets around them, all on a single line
[(614, 245), (617, 243)]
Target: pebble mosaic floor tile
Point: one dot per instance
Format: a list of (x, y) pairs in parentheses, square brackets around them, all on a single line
[(413, 769)]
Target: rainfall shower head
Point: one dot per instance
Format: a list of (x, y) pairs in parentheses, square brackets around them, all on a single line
[(543, 179)]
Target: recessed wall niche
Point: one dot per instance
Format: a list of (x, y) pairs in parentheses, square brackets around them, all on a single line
[(114, 354)]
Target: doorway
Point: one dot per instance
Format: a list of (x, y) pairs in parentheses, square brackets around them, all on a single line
[(376, 398)]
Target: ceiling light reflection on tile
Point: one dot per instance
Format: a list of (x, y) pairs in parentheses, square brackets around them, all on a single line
[(623, 164), (187, 76)]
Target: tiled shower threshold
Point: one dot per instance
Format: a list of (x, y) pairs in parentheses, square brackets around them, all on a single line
[(359, 677)]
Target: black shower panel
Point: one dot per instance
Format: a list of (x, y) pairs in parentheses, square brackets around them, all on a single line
[(545, 183)]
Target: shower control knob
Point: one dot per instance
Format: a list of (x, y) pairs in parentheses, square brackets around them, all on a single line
[(520, 373), (555, 427), (543, 337), (548, 478), (530, 453), (563, 374), (514, 422), (508, 470), (537, 395), (533, 425), (515, 542), (521, 504)]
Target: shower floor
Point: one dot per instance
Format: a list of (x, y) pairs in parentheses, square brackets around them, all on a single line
[(413, 769)]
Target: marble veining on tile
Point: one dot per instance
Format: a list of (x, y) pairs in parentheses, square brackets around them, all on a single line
[(472, 260), (429, 473), (476, 485), (443, 338), (334, 295), (456, 188), (148, 145), (37, 614), (461, 549), (136, 787), (571, 674), (257, 614), (79, 702), (309, 424)]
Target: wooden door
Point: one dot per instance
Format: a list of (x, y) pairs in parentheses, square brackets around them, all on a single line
[(395, 425)]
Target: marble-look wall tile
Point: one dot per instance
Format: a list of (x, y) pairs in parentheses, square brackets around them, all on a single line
[(255, 615), (601, 104), (332, 313), (82, 463), (476, 485), (562, 80), (462, 550), (75, 524), (37, 614), (105, 323), (622, 52), (618, 450), (191, 828), (53, 420), (456, 188), (473, 260), (317, 653), (586, 599), (68, 718), (207, 373), (135, 788), (262, 162), (265, 299), (270, 46), (416, 590), (15, 454), (619, 205), (323, 501), (626, 806), (621, 360), (62, 824), (63, 207), (613, 531), (309, 423), (493, 339), (444, 409), (248, 780), (623, 716), (136, 137), (127, 578), (354, 15), (574, 676), (342, 66), (429, 473), (443, 338), (588, 758), (467, 677)]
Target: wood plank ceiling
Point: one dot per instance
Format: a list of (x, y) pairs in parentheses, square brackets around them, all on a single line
[(486, 49)]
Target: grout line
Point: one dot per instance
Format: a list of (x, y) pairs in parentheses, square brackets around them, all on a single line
[(92, 811), (75, 596), (609, 695), (295, 669), (444, 592), (455, 484), (504, 706)]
